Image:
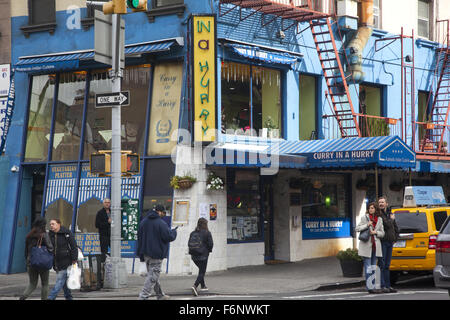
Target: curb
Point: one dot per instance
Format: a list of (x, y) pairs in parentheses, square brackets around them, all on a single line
[(341, 285)]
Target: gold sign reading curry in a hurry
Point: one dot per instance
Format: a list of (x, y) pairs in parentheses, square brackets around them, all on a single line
[(204, 65)]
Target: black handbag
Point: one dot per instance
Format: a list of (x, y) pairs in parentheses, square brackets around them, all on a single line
[(364, 235)]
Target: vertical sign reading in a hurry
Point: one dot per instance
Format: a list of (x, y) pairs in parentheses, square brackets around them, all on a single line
[(204, 80)]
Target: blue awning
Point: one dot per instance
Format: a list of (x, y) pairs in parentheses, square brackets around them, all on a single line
[(250, 156), (256, 53), (71, 60), (388, 152)]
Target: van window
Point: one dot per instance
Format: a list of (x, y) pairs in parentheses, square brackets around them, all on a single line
[(411, 222), (446, 229), (439, 218)]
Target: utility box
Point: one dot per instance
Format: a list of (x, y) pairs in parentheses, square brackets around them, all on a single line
[(347, 12)]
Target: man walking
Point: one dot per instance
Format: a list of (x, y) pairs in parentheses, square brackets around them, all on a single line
[(103, 224), (154, 236), (387, 243), (66, 254)]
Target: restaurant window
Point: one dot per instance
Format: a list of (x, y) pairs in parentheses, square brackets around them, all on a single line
[(98, 133), (40, 118), (69, 116), (62, 210), (323, 196), (157, 189), (251, 100), (244, 222), (307, 108), (423, 21)]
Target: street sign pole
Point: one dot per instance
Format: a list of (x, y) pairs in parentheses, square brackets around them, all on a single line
[(116, 176)]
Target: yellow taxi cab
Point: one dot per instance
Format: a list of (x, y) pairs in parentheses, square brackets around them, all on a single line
[(419, 225)]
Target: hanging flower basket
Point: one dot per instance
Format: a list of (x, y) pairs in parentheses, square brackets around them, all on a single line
[(214, 182), (184, 182)]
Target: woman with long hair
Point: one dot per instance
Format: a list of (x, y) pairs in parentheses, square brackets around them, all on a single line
[(200, 255), (371, 250), (35, 236)]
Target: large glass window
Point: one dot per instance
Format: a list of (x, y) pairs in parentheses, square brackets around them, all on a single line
[(98, 121), (69, 116), (243, 206), (322, 196), (40, 118), (251, 100)]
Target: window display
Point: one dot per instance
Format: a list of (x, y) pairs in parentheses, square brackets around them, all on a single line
[(251, 100), (243, 206)]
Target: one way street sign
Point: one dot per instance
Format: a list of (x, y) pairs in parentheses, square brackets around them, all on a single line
[(112, 99)]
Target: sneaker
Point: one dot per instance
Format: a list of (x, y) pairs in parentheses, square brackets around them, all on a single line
[(164, 297), (204, 289), (194, 291), (392, 290), (385, 290)]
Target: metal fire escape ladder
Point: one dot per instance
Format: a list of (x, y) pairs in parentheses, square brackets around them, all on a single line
[(440, 110), (335, 78), (297, 11)]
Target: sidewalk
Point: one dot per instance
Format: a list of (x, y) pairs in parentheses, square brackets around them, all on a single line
[(307, 275)]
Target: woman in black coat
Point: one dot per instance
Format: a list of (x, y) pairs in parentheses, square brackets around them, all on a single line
[(35, 236), (201, 259)]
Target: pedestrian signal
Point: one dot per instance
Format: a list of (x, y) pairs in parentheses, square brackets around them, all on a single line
[(100, 163)]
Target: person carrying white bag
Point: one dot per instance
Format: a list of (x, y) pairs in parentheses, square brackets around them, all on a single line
[(66, 255)]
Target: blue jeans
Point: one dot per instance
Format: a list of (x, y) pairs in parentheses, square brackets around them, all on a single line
[(370, 271), (385, 263), (61, 283)]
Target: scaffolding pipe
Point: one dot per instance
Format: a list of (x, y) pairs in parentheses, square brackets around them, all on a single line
[(358, 43)]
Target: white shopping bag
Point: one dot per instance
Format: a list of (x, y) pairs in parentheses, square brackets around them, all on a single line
[(142, 269), (73, 277), (80, 255)]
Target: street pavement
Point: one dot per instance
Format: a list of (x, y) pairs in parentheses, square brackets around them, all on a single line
[(283, 278)]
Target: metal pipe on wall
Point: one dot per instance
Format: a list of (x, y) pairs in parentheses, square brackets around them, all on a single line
[(358, 43)]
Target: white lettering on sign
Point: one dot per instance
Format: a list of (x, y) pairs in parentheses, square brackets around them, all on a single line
[(343, 155)]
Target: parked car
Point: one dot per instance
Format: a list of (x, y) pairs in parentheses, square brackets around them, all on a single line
[(441, 272), (415, 250)]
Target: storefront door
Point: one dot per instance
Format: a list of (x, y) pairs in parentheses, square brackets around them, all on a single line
[(267, 207)]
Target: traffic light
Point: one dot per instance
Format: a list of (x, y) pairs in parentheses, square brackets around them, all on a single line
[(137, 5), (100, 163), (115, 6), (130, 163)]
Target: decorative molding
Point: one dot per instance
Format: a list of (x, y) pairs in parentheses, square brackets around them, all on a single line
[(27, 30), (178, 9)]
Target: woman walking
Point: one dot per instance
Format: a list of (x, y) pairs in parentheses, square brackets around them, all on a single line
[(200, 245), (36, 236), (371, 250)]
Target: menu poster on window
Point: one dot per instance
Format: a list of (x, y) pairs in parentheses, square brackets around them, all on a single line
[(165, 108)]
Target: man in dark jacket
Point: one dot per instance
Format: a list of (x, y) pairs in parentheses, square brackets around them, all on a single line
[(387, 243), (103, 224), (66, 254), (154, 236)]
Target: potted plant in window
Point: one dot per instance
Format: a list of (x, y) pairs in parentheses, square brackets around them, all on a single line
[(182, 182), (351, 263), (272, 128)]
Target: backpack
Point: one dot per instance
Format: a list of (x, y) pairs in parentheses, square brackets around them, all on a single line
[(195, 244)]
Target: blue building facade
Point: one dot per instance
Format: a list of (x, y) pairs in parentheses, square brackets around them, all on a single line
[(270, 80)]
